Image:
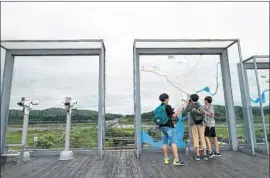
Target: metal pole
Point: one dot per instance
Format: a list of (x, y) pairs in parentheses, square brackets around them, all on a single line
[(121, 134), (184, 40), (137, 105), (246, 109), (26, 155), (261, 106), (251, 130), (101, 104), (5, 97), (68, 125), (228, 96), (25, 126), (104, 93), (67, 154)]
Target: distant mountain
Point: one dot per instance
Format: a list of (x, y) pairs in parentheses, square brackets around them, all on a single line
[(59, 115)]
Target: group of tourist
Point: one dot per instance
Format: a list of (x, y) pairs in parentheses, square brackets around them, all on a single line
[(201, 125)]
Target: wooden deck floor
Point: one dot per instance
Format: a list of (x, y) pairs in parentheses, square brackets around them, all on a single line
[(124, 164)]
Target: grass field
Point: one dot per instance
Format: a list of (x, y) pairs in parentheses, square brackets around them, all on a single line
[(84, 135)]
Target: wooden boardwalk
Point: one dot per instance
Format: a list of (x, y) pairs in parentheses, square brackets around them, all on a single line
[(123, 164)]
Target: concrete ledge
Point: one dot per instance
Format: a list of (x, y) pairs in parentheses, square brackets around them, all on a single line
[(3, 160), (182, 150), (38, 153), (246, 151)]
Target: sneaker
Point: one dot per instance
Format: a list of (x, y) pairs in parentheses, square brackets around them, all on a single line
[(166, 161), (197, 158), (211, 155), (217, 154), (178, 162), (205, 157)]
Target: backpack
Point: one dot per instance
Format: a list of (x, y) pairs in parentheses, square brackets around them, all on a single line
[(196, 115), (160, 115)]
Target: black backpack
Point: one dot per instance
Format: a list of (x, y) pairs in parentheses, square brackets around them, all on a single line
[(196, 114)]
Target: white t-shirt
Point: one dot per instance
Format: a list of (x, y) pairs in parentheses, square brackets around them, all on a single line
[(209, 121)]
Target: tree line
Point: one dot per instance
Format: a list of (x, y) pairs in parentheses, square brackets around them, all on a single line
[(58, 115)]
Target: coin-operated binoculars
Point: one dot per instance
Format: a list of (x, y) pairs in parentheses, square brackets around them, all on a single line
[(27, 105), (68, 106)]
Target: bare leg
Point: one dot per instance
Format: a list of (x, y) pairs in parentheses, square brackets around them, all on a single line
[(202, 138), (195, 138), (197, 150), (165, 151), (216, 144), (204, 152), (208, 142), (175, 151)]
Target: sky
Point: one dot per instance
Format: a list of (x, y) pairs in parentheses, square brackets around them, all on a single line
[(50, 79)]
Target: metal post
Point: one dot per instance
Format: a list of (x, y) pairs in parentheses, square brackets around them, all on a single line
[(104, 93), (247, 110), (100, 105), (228, 96), (25, 126), (5, 97), (121, 134), (138, 105), (67, 154), (68, 125), (247, 95), (26, 155), (261, 106)]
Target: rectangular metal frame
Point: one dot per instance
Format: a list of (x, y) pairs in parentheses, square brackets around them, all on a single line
[(222, 52), (245, 97), (8, 73)]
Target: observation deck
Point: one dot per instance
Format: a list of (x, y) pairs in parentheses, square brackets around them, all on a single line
[(123, 164)]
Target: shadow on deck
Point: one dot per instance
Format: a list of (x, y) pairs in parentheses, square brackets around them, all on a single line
[(124, 164)]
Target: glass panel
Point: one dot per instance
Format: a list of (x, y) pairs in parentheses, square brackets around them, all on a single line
[(51, 45), (119, 132), (183, 44), (50, 80), (119, 120), (263, 76), (176, 77), (234, 59)]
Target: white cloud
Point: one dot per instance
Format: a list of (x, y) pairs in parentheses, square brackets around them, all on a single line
[(118, 24)]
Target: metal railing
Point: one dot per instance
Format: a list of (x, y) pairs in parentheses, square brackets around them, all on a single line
[(221, 131), (119, 135), (51, 135)]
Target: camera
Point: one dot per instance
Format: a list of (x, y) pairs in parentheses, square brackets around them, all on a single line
[(67, 101), (35, 102), (74, 105), (68, 104), (27, 103)]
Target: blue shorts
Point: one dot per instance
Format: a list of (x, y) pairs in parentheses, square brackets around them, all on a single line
[(168, 135)]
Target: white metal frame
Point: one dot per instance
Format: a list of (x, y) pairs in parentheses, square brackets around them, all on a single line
[(74, 50), (252, 64), (225, 70)]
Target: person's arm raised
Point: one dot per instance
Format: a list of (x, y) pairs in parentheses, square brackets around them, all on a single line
[(170, 112), (210, 112), (176, 113)]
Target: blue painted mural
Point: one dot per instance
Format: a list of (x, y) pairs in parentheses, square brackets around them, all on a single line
[(147, 139), (257, 100)]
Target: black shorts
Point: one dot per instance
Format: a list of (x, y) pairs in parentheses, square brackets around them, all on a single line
[(210, 132)]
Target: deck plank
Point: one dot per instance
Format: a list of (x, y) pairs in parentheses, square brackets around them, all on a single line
[(84, 168), (137, 168), (123, 164)]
